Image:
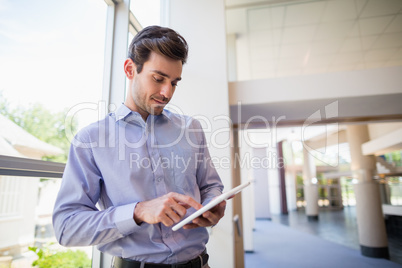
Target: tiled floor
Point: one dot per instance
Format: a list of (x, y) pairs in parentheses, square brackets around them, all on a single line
[(340, 227)]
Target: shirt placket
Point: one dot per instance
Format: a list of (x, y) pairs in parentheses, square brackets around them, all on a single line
[(159, 181)]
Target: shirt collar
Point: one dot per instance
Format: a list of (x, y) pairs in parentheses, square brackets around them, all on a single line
[(123, 112), (167, 114)]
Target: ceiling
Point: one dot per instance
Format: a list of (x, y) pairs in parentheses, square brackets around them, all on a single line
[(286, 38)]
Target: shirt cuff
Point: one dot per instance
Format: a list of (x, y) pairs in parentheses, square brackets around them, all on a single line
[(124, 219)]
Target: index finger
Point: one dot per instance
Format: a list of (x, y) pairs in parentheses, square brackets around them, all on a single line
[(186, 200)]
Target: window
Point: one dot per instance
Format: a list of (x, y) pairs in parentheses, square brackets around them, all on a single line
[(147, 12), (51, 55), (51, 61)]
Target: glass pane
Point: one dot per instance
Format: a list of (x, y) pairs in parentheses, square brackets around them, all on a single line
[(51, 61), (51, 65), (147, 12), (322, 192), (348, 194), (395, 187), (333, 192)]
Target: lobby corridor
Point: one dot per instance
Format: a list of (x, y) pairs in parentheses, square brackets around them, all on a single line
[(332, 241)]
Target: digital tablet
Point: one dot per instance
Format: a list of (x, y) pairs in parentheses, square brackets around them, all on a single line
[(210, 205)]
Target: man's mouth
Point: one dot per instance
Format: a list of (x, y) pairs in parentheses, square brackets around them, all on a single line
[(159, 101)]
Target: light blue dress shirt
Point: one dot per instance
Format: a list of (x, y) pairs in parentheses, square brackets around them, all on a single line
[(121, 160)]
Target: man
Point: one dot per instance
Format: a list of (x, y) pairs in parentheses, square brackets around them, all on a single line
[(145, 167)]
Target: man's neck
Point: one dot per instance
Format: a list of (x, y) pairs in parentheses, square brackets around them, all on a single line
[(134, 108)]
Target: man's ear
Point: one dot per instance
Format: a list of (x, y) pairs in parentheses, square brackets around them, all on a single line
[(130, 68)]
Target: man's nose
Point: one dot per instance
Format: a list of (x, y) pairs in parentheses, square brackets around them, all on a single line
[(167, 91)]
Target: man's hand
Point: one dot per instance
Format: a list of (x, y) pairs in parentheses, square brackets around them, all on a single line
[(168, 209), (208, 218)]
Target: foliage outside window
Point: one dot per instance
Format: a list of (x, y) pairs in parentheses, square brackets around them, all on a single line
[(48, 258), (394, 157), (47, 126)]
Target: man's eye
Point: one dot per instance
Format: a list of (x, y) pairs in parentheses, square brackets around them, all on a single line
[(174, 84), (158, 79)]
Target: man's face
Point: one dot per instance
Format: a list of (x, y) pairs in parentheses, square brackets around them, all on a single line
[(153, 87)]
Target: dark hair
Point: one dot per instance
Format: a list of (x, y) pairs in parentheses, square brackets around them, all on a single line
[(161, 40)]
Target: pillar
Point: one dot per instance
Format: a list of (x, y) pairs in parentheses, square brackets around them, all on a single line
[(274, 190), (189, 19), (310, 186), (370, 221), (261, 193)]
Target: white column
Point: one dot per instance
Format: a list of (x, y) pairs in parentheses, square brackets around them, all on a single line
[(290, 175), (310, 185), (274, 190), (291, 190), (261, 187), (203, 92), (370, 221)]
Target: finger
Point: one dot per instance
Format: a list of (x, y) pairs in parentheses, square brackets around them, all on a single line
[(203, 222), (190, 226), (212, 218), (173, 216), (216, 213), (179, 209), (184, 205), (186, 200), (219, 209), (222, 208), (165, 220)]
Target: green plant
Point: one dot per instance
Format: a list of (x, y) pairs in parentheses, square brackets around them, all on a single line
[(48, 258)]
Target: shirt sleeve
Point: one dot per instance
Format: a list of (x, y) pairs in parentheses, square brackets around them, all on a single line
[(76, 219), (207, 177)]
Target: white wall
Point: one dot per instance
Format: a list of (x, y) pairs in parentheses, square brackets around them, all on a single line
[(204, 91)]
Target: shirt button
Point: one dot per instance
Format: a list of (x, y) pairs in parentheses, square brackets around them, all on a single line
[(166, 235), (159, 179)]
